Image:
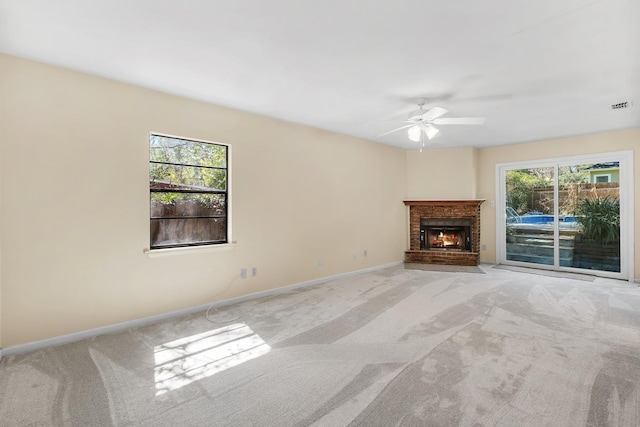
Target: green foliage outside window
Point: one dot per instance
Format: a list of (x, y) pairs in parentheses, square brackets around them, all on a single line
[(520, 186), (187, 165), (600, 218)]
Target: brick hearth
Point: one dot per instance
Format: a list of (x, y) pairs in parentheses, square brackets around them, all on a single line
[(467, 209)]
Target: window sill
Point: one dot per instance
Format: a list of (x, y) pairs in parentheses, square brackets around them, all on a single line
[(156, 253)]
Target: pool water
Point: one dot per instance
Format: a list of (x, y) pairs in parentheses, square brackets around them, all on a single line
[(543, 219)]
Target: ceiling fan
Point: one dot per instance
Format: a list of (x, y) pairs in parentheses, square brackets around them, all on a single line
[(421, 122)]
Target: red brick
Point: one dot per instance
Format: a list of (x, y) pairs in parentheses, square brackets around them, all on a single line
[(443, 209)]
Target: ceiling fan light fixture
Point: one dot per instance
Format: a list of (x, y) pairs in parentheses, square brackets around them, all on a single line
[(414, 133), (431, 131)]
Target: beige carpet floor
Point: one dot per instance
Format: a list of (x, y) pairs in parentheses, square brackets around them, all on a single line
[(397, 347)]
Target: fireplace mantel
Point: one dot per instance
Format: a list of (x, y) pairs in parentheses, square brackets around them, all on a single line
[(443, 209), (472, 202)]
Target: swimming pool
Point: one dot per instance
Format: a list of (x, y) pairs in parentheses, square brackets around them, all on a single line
[(539, 218)]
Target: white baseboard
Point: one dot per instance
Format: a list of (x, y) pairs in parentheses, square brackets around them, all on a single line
[(77, 336)]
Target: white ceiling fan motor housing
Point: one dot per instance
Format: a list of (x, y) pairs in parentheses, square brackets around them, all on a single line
[(417, 115)]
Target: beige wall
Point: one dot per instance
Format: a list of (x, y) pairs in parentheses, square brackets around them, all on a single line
[(442, 173), (564, 147), (74, 200), (74, 203), (3, 83)]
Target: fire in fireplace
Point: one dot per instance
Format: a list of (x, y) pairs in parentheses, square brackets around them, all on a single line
[(445, 234)]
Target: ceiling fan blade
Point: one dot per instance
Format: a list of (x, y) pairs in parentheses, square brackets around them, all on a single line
[(395, 130), (434, 113), (460, 121)]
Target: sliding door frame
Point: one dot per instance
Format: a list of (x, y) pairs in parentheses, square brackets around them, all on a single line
[(626, 210)]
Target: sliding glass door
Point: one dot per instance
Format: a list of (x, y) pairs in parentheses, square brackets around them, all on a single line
[(530, 220), (569, 214)]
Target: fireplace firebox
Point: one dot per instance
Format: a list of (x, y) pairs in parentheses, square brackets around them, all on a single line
[(445, 234)]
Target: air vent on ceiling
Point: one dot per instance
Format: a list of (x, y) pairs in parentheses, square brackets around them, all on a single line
[(621, 105)]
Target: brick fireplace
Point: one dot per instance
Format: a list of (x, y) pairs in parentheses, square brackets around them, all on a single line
[(444, 232)]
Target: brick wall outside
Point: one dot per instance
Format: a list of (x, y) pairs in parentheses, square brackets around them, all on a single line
[(590, 254)]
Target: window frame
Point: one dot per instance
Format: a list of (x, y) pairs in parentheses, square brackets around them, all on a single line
[(600, 175), (183, 247)]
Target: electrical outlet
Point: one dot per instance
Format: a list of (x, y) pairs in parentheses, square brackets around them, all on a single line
[(254, 271), (243, 273), (484, 247), (355, 256), (320, 262), (365, 252)]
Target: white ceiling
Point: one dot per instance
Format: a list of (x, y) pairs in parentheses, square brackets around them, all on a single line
[(535, 69)]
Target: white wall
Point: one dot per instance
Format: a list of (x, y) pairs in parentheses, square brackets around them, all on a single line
[(74, 203)]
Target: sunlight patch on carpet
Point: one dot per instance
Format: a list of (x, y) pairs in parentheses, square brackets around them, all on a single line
[(185, 360)]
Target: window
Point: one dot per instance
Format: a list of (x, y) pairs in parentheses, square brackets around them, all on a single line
[(602, 178), (188, 182)]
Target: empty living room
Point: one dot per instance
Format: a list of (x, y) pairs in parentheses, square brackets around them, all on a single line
[(296, 213)]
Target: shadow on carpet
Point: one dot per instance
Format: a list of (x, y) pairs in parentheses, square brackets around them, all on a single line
[(549, 273), (444, 268)]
